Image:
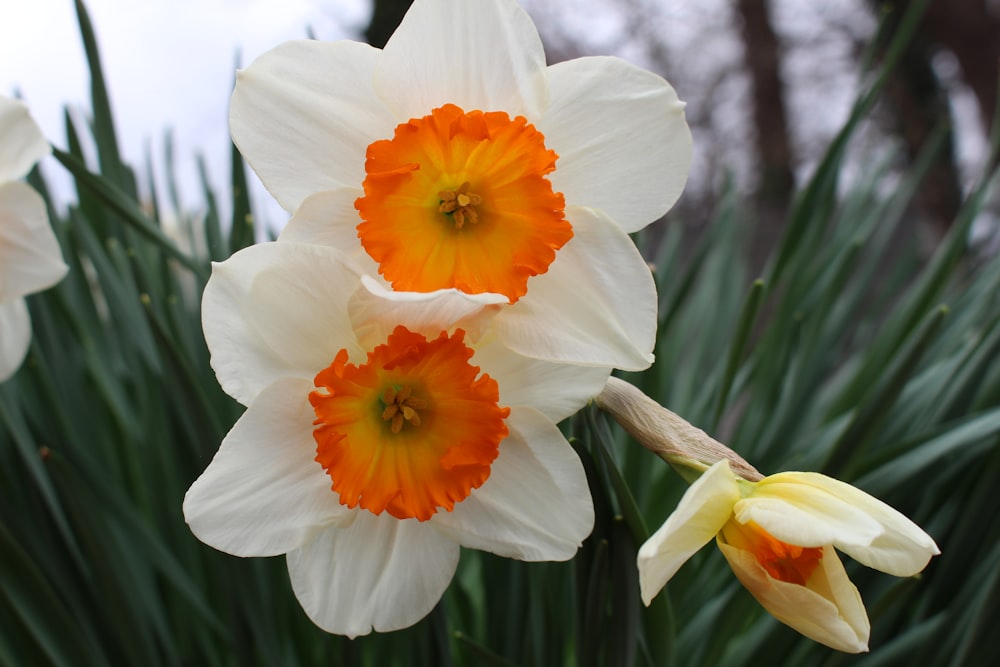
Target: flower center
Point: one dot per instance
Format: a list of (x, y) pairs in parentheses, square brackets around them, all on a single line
[(460, 205), (412, 430), (400, 406), (460, 200), (787, 562)]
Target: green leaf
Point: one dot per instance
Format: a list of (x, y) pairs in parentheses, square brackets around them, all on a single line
[(121, 204), (44, 617)]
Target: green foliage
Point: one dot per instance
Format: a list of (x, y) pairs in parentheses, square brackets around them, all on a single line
[(851, 355)]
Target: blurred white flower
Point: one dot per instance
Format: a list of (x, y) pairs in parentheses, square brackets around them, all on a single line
[(30, 258)]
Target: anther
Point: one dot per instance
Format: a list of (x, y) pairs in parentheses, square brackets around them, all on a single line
[(460, 205), (400, 406)]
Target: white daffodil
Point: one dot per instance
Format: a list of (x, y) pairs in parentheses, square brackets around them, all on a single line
[(779, 535), (383, 431), (454, 158), (30, 258)]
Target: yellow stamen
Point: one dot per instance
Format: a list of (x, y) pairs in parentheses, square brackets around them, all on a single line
[(460, 205), (400, 405)]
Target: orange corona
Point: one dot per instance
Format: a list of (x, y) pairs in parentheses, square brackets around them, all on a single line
[(783, 561), (411, 431), (460, 200)]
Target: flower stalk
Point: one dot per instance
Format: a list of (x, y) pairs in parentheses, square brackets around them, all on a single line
[(688, 449)]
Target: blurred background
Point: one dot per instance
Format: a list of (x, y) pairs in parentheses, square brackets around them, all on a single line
[(829, 289), (768, 82)]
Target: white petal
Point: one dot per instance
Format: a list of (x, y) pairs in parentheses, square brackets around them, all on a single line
[(621, 137), (535, 505), (377, 309), (21, 140), (379, 573), (277, 310), (328, 218), (704, 508), (478, 54), (264, 494), (897, 546), (555, 390), (303, 115), (15, 336), (833, 615), (30, 258), (596, 305)]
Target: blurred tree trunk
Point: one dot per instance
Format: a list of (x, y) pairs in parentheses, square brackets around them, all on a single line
[(777, 181), (763, 59), (386, 15), (971, 31), (919, 100)]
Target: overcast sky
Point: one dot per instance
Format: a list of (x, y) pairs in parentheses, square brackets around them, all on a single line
[(171, 64), (168, 63)]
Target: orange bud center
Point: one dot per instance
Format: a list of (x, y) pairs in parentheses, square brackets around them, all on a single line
[(783, 561), (460, 200), (413, 430)]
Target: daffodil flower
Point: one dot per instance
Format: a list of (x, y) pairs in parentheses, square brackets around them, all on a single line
[(30, 258), (779, 535), (455, 159), (383, 431)]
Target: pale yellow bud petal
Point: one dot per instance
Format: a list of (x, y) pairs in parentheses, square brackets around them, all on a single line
[(700, 515), (865, 528), (828, 609)]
